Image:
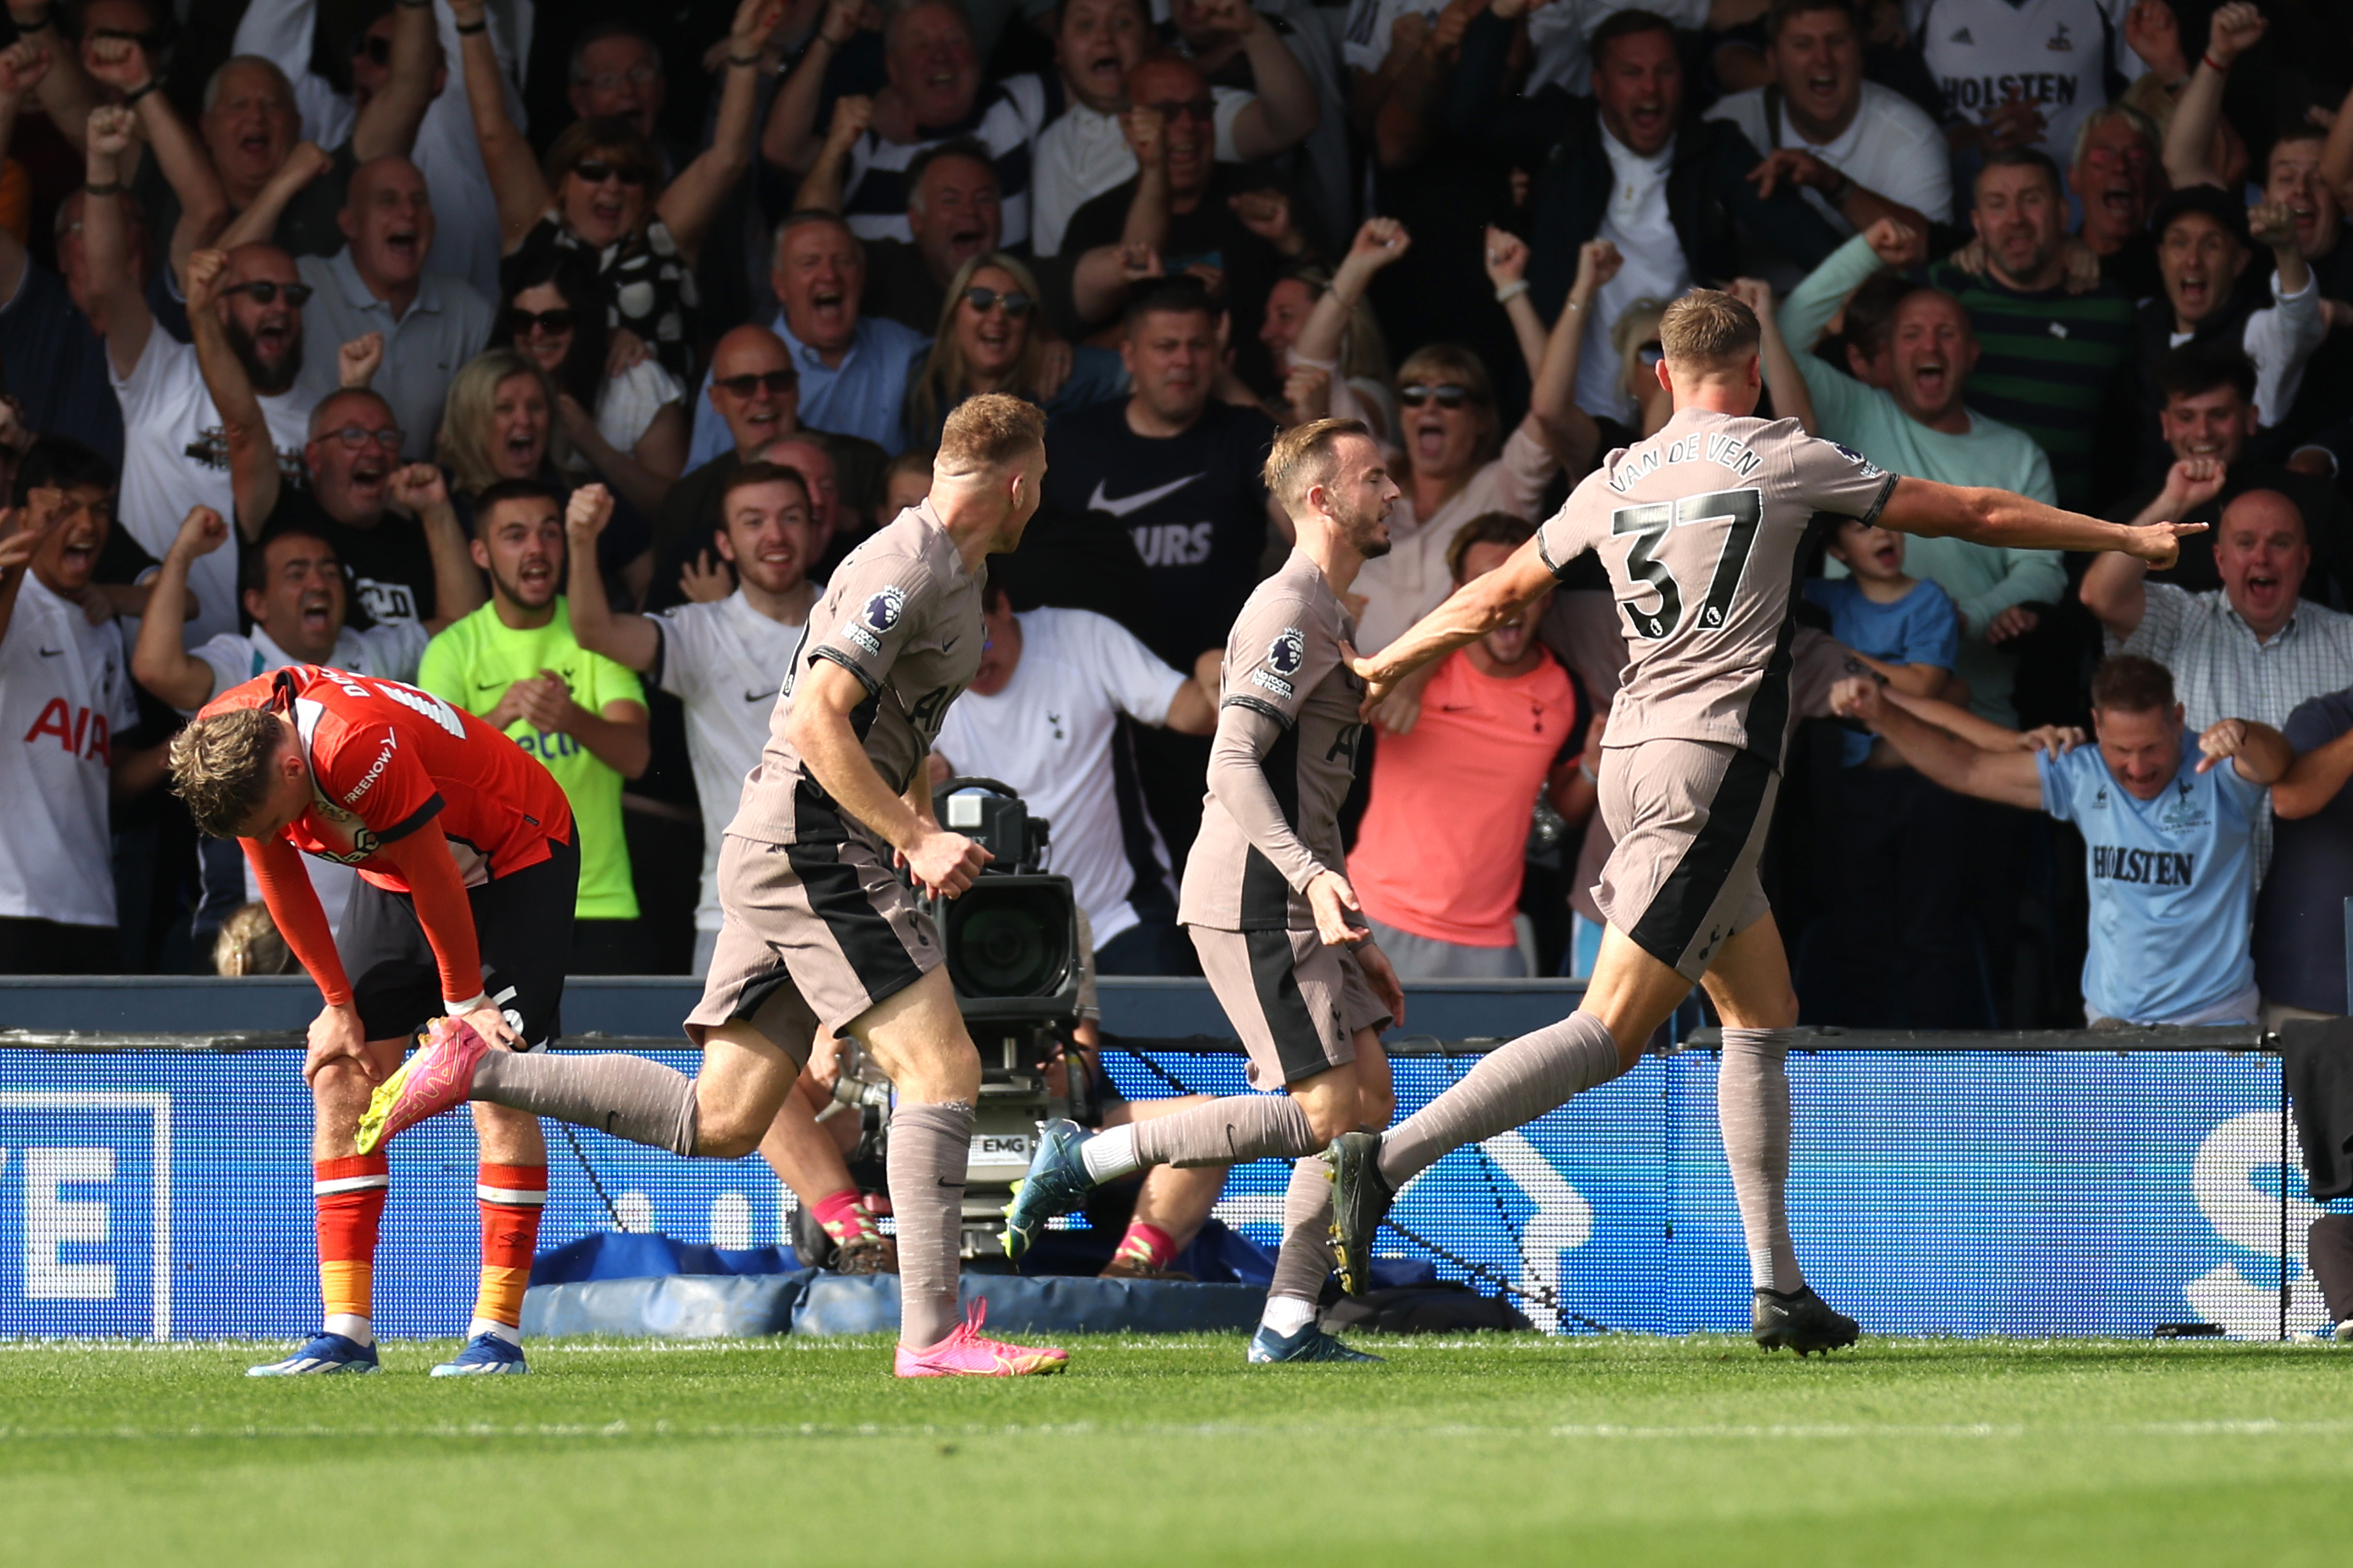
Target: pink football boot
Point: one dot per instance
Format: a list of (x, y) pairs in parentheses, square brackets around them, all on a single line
[(965, 1353)]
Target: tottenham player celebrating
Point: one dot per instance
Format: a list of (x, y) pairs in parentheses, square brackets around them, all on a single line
[(721, 660), (1267, 900), (816, 931), (1700, 526), (468, 873)]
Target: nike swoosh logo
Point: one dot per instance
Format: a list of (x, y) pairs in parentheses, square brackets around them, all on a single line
[(53, 653), (951, 643), (1121, 506), (760, 696)]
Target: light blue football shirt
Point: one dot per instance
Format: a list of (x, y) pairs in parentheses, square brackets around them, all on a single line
[(2172, 882)]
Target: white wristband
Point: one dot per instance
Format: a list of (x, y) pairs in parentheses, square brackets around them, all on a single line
[(458, 1009), (1511, 292)]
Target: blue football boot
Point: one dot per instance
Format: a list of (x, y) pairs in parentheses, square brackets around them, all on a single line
[(1057, 1184), (1310, 1343), (322, 1352), (484, 1356)]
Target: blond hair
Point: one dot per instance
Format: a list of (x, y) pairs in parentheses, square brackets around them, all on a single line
[(1305, 456), (220, 766), (1709, 329), (1440, 362), (250, 943), (464, 445), (943, 375), (993, 430)]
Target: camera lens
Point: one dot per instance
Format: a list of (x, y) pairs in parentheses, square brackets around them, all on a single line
[(1008, 945)]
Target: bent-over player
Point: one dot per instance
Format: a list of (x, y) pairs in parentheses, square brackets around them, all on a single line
[(1701, 527), (816, 931), (468, 871), (1267, 901)]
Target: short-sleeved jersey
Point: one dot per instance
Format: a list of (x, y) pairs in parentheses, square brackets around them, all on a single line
[(1283, 660), (1701, 527), (65, 696), (385, 758), (902, 614), (2172, 883)]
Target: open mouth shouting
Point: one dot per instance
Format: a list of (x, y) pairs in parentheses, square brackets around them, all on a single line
[(535, 577), (2193, 294), (317, 614), (77, 558), (1821, 93), (403, 246)]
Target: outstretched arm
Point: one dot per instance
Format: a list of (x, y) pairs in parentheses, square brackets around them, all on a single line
[(66, 93), (2189, 138), (389, 122), (1379, 242), (253, 453), (1997, 518), (1554, 417), (522, 193), (1284, 112), (457, 582), (1469, 613), (305, 162), (789, 140), (1792, 399), (821, 189), (2005, 777), (2314, 779), (106, 246), (204, 205), (626, 639), (688, 204)]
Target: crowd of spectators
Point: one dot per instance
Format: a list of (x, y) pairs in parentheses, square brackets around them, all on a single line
[(547, 359)]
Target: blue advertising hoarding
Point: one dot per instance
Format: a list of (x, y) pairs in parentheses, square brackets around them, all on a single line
[(166, 1195)]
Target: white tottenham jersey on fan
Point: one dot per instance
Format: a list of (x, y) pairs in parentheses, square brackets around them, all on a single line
[(65, 695), (2058, 55), (725, 661), (390, 651), (174, 458), (1053, 735)]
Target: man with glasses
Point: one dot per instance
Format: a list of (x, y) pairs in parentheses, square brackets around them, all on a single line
[(390, 524), (429, 323), (1177, 208), (955, 211), (281, 31), (176, 446), (852, 367)]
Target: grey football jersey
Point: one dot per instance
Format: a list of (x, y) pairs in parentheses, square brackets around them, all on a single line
[(902, 614), (1284, 756), (1702, 526)]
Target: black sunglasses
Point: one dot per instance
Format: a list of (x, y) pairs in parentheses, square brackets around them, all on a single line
[(1651, 352), (1450, 394), (597, 173), (1017, 304), (521, 322), (778, 382), (376, 49), (265, 292), (1203, 107)]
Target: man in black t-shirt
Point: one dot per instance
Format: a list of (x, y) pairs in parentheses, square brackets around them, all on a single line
[(1154, 515), (376, 513)]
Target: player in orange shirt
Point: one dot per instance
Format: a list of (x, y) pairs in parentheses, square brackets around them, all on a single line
[(467, 869)]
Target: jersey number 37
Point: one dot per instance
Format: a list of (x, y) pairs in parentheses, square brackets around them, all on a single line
[(1648, 522)]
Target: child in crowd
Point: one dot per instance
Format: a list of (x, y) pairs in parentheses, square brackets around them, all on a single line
[(1899, 955)]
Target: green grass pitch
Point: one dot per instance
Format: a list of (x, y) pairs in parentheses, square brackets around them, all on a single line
[(1498, 1449)]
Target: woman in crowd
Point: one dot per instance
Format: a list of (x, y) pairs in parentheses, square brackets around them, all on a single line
[(992, 338), (1635, 339), (1364, 352), (628, 426), (600, 192), (500, 424), (1448, 458)]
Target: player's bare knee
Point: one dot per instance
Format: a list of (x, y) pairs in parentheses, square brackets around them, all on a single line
[(729, 1129), (1376, 1106), (1329, 1115)]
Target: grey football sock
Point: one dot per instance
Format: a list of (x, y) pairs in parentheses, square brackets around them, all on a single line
[(1752, 1108), (930, 1147), (1228, 1132), (1514, 1083), (628, 1097), (1305, 1258)]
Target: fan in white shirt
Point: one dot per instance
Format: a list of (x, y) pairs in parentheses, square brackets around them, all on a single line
[(294, 590), (1858, 151), (64, 698)]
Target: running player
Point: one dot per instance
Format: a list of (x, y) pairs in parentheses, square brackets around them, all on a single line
[(466, 876), (816, 931), (721, 660), (1703, 525), (1267, 900)]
